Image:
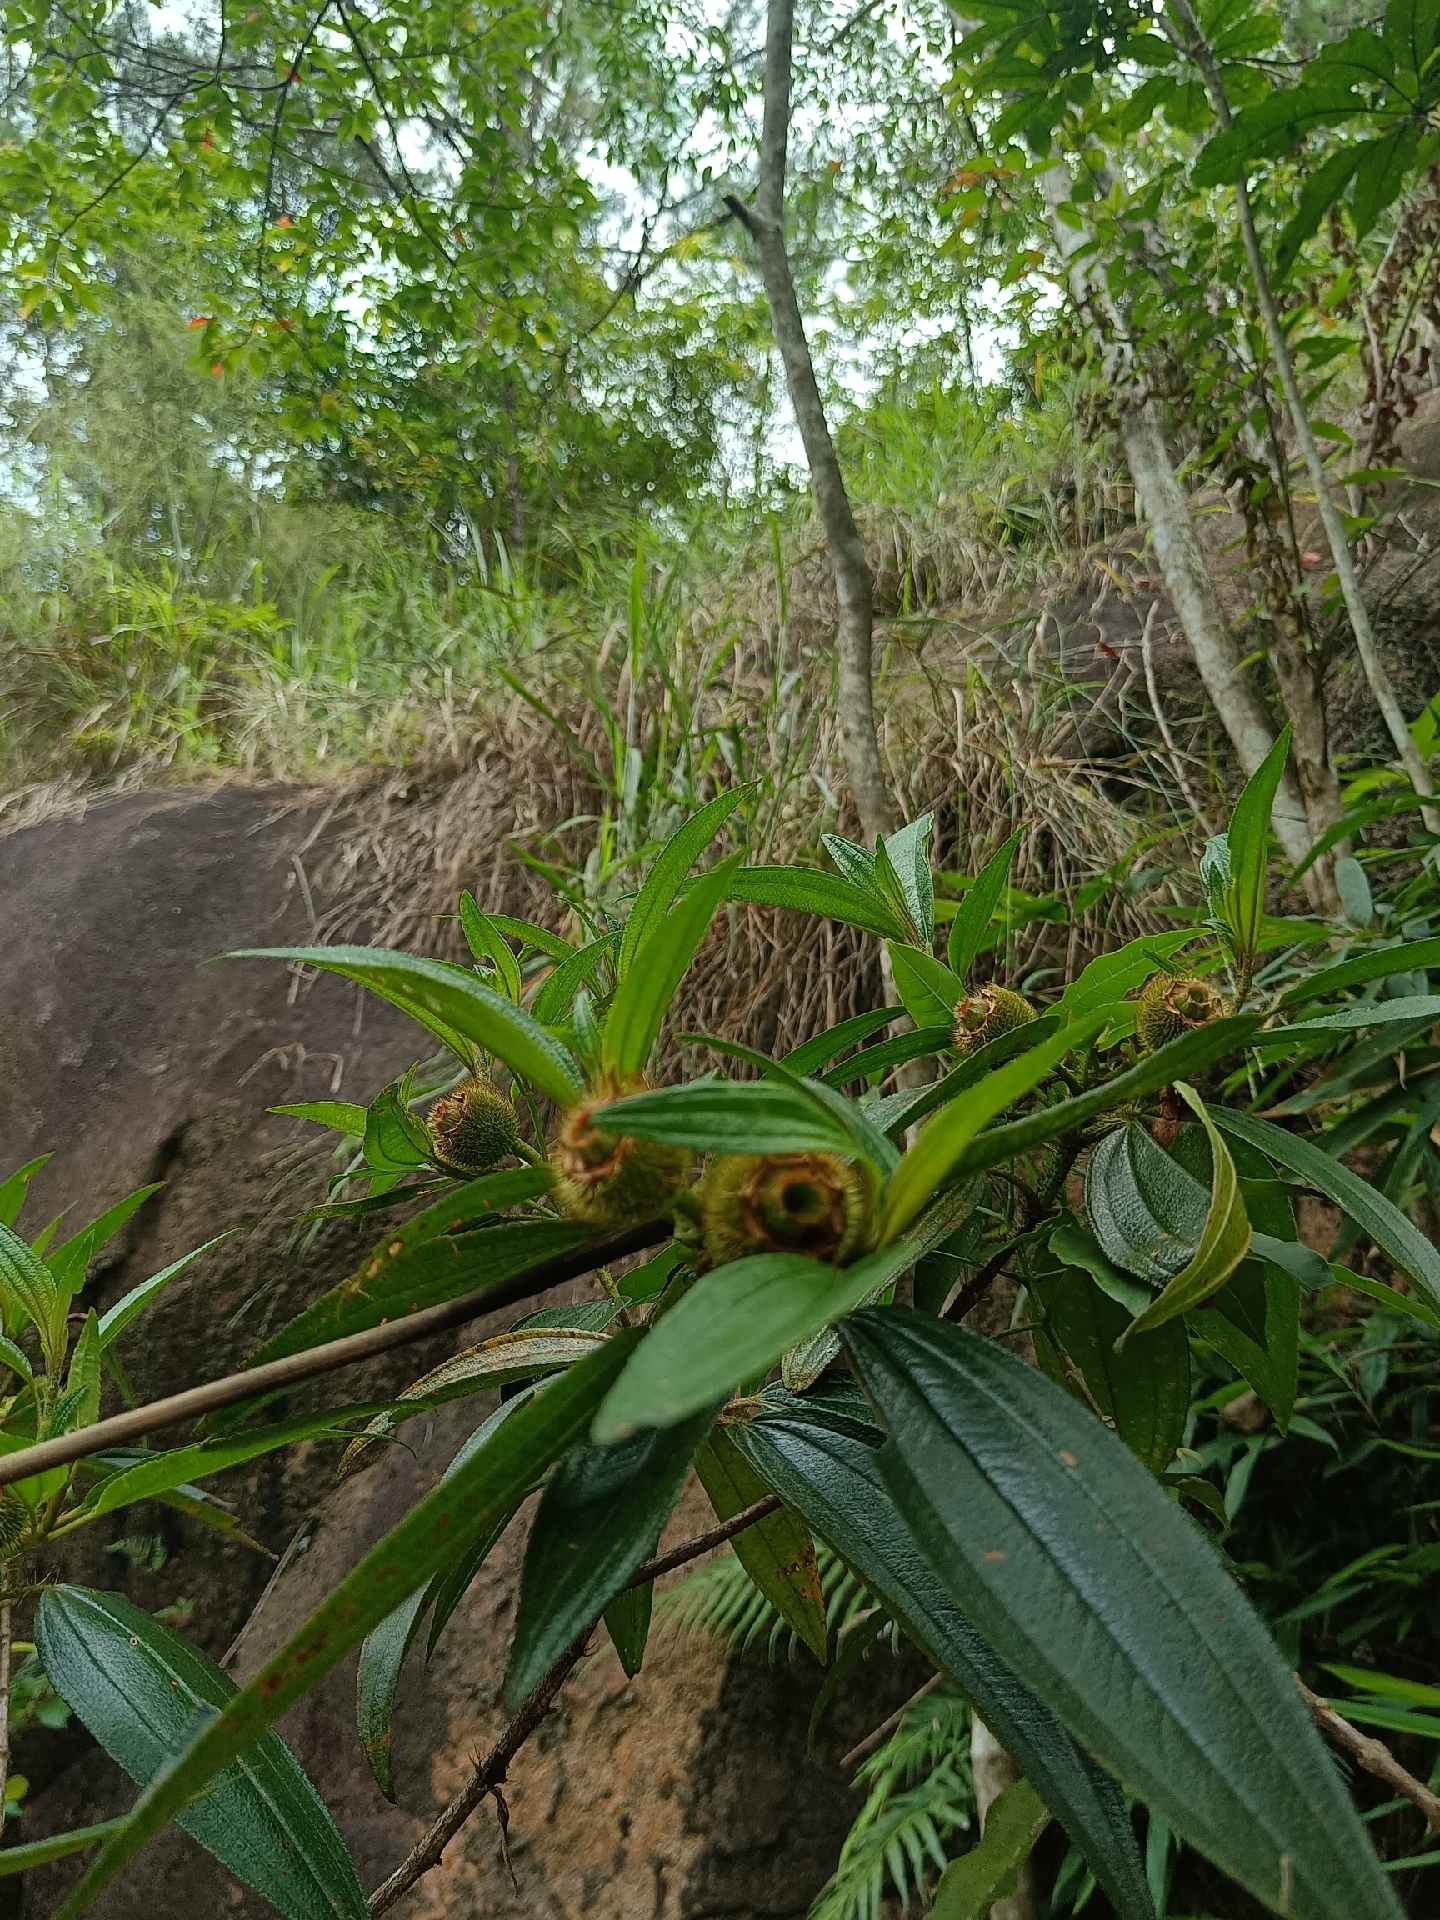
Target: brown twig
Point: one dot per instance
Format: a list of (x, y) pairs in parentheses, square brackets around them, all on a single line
[(296, 1367), (702, 1543), (975, 1289), (1370, 1754), (489, 1774), (863, 1749), (6, 1621)]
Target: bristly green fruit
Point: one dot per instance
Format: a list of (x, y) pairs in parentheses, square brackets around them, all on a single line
[(609, 1180), (14, 1522), (812, 1203), (474, 1127), (984, 1015), (1173, 1005)]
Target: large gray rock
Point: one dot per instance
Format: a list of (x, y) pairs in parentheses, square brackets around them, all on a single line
[(685, 1792)]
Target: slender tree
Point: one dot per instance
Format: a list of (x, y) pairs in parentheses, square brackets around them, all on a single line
[(764, 220), (1185, 33)]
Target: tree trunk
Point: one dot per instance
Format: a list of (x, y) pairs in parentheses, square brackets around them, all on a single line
[(993, 1770), (1181, 557), (765, 222), (1189, 38)]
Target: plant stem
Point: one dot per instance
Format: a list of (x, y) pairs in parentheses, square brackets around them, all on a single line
[(235, 1388), (1372, 1755), (489, 1775), (1189, 38), (6, 1648), (863, 1749)]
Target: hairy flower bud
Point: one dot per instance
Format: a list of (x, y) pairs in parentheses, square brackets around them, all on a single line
[(473, 1127), (14, 1522), (611, 1180), (1171, 1005), (984, 1015), (812, 1203)]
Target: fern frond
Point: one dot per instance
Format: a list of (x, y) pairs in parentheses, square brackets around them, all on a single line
[(720, 1599), (920, 1795)]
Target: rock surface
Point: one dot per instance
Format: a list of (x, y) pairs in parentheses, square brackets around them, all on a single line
[(686, 1792)]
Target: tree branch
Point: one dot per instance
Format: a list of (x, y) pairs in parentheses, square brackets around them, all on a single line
[(489, 1774), (1372, 1755), (236, 1388)]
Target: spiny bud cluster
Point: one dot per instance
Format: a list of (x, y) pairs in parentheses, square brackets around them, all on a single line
[(473, 1127), (612, 1180), (810, 1203), (1172, 1005), (984, 1015)]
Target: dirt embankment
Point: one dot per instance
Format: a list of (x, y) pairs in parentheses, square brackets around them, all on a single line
[(686, 1792)]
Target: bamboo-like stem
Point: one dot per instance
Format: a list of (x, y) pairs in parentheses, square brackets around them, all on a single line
[(235, 1388), (489, 1775), (1190, 39)]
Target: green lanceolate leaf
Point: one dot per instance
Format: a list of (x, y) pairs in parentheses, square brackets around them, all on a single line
[(155, 1473), (873, 1062), (627, 1621), (1073, 1247), (971, 1885), (395, 1141), (14, 1188), (340, 1116), (436, 1270), (448, 1002), (487, 943), (777, 1552), (735, 1323), (529, 935), (381, 1658), (1148, 1212), (138, 1688), (1143, 1391), (733, 1116), (29, 1292), (674, 861), (83, 1379), (598, 1522), (1391, 1231), (935, 1155), (523, 1354), (39, 1853), (806, 891), (114, 1320), (825, 1461), (557, 996), (902, 873), (1377, 1013), (69, 1260), (928, 990), (1180, 1059), (814, 1054), (1254, 1323), (643, 996), (971, 924), (1110, 977), (1037, 1520), (1248, 839), (853, 862), (1409, 956), (1224, 1242), (459, 1509)]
